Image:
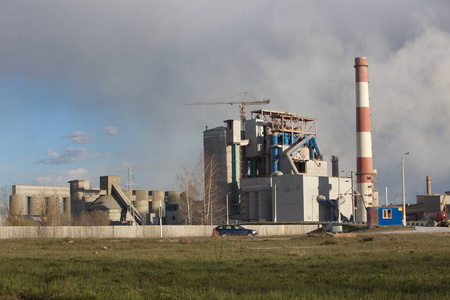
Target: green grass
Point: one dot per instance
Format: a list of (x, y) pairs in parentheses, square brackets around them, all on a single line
[(368, 266)]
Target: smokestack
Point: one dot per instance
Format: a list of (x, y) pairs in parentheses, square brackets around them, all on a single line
[(428, 185), (364, 172), (334, 166)]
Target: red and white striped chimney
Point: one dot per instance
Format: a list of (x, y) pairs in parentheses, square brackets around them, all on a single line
[(364, 172)]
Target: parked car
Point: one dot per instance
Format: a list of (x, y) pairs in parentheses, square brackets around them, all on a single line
[(225, 230), (332, 227)]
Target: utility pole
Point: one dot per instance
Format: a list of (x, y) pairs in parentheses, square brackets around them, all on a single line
[(353, 198), (403, 188), (228, 210), (339, 198), (275, 217)]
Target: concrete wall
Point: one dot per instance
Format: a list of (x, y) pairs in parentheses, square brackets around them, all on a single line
[(173, 231)]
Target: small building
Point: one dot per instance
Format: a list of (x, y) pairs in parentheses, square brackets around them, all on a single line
[(385, 216)]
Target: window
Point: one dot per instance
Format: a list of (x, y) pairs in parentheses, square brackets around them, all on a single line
[(387, 213)]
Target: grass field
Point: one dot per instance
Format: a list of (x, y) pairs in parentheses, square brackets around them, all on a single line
[(365, 266)]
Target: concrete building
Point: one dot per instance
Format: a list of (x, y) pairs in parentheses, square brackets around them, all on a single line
[(126, 205), (274, 170), (34, 200), (123, 206), (428, 204)]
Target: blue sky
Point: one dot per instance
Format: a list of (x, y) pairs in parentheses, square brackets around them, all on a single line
[(92, 88)]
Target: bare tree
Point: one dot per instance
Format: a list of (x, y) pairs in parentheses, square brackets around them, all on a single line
[(92, 218), (189, 199), (10, 216), (4, 204), (202, 201), (212, 193), (50, 211)]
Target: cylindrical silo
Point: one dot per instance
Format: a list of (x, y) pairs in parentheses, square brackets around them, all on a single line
[(66, 206), (173, 197), (157, 201), (364, 161), (36, 205), (18, 205), (128, 193), (53, 206), (142, 202), (78, 196)]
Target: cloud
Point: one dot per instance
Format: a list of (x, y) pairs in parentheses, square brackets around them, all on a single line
[(61, 177), (136, 65), (111, 130), (79, 137), (70, 155)]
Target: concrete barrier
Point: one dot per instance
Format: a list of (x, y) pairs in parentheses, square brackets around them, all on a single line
[(154, 231)]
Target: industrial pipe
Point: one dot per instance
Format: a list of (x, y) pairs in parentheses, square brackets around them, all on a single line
[(364, 172)]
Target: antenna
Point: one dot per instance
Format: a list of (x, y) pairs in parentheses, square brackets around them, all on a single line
[(130, 183)]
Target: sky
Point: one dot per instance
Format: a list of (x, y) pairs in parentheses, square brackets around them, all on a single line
[(92, 88)]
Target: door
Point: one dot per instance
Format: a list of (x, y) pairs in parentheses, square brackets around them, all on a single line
[(374, 217)]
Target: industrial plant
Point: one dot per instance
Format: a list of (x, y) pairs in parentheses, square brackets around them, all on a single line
[(122, 206), (271, 169), (274, 171)]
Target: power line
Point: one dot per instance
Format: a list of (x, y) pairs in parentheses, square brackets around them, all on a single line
[(389, 173)]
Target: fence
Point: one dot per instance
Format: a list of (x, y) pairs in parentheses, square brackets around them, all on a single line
[(168, 231)]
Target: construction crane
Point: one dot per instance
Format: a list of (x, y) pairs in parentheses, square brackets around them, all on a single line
[(241, 103)]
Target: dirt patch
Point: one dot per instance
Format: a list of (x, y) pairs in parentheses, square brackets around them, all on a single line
[(345, 235)]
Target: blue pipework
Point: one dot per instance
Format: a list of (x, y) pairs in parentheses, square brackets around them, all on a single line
[(312, 145), (333, 204), (275, 155)]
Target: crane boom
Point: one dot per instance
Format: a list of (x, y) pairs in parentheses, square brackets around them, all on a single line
[(265, 101), (241, 103)]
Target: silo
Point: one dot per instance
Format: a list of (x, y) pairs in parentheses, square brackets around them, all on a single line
[(66, 206), (173, 197), (36, 205), (157, 201), (215, 147), (128, 193), (18, 205), (141, 203), (53, 206), (78, 196)]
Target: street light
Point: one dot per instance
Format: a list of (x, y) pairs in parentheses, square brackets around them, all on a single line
[(275, 219), (339, 197), (228, 210), (403, 188)]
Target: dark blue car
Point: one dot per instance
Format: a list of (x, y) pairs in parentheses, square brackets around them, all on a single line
[(225, 230)]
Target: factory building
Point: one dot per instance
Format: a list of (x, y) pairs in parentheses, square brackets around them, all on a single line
[(274, 170), (35, 200), (428, 204), (123, 206)]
